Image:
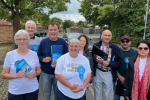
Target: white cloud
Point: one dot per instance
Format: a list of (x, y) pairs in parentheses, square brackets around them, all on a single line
[(71, 14)]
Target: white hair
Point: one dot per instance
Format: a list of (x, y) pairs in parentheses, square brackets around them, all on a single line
[(21, 32), (74, 40), (30, 22)]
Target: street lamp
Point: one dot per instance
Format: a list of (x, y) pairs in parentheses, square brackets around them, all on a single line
[(145, 18)]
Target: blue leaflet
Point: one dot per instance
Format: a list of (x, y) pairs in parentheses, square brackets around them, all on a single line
[(81, 71), (126, 61), (22, 65), (35, 47)]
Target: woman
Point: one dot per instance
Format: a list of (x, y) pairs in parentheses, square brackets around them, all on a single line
[(21, 66), (73, 73), (137, 79), (85, 51)]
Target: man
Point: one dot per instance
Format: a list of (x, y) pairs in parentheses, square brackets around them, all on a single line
[(30, 27), (44, 52), (126, 52), (105, 70)]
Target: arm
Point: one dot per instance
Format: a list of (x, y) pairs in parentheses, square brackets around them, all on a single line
[(6, 74), (120, 77)]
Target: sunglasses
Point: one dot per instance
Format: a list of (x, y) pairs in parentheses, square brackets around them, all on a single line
[(145, 48), (125, 41)]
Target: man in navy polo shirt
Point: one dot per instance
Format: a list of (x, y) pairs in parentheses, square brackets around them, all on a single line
[(48, 78)]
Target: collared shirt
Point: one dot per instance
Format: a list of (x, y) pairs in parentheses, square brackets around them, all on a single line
[(107, 50)]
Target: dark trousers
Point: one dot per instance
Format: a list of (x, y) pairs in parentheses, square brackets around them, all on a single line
[(61, 96), (27, 96)]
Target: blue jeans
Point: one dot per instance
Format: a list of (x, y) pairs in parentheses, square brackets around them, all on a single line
[(116, 97), (61, 96), (47, 80)]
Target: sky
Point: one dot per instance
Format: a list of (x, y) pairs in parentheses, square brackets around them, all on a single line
[(72, 13)]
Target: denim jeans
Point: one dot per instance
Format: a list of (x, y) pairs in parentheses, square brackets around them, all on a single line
[(47, 81), (116, 97)]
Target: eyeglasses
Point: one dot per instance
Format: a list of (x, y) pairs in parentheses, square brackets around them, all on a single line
[(30, 27), (145, 48), (21, 39), (125, 41)]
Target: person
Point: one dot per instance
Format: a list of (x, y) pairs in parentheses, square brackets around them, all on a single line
[(85, 51), (105, 70), (73, 73), (22, 85), (30, 27), (137, 79), (48, 78), (126, 52)]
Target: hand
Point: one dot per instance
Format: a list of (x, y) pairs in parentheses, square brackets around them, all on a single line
[(47, 59), (122, 79), (54, 62), (20, 74), (30, 75), (89, 84), (99, 59), (73, 86), (77, 89), (126, 97), (105, 63)]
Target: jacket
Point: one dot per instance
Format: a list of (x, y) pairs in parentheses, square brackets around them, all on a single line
[(115, 51), (129, 79)]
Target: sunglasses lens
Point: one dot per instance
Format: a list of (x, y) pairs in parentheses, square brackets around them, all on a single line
[(125, 41)]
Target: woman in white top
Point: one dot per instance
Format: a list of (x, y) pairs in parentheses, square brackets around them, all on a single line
[(73, 73), (21, 66), (137, 79)]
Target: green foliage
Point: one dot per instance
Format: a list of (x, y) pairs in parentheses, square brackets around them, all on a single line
[(124, 17), (61, 33), (67, 24), (56, 20), (37, 34), (80, 24)]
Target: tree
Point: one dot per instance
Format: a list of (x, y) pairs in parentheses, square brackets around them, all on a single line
[(80, 24), (67, 24), (15, 10), (56, 20)]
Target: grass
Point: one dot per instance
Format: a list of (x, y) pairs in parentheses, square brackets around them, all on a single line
[(61, 33)]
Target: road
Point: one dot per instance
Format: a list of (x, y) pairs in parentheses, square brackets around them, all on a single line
[(90, 92)]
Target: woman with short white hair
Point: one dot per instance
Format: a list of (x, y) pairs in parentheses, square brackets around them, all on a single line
[(21, 66), (73, 73)]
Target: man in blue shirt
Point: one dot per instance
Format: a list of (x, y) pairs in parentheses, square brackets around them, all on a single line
[(44, 52), (126, 52)]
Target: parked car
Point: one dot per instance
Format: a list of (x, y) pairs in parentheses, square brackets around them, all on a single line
[(68, 36), (42, 32)]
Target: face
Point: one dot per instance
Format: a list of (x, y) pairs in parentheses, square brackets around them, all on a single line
[(73, 48), (82, 42), (143, 49), (106, 37), (53, 32), (22, 41), (30, 29), (125, 43)]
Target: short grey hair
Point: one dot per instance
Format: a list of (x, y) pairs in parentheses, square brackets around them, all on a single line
[(74, 40), (106, 30), (21, 32), (30, 22)]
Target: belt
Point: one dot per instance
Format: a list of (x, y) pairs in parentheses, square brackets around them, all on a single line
[(103, 70)]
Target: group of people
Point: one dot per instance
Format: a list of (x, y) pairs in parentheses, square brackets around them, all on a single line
[(125, 69)]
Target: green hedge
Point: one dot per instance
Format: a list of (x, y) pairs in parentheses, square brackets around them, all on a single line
[(37, 34)]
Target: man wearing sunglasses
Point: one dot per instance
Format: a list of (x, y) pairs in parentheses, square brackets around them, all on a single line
[(105, 70), (126, 52)]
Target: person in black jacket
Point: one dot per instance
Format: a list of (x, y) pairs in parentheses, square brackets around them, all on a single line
[(105, 70), (85, 52), (137, 79)]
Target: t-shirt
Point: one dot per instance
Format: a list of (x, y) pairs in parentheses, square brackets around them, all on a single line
[(67, 67), (125, 55), (142, 67), (22, 85)]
